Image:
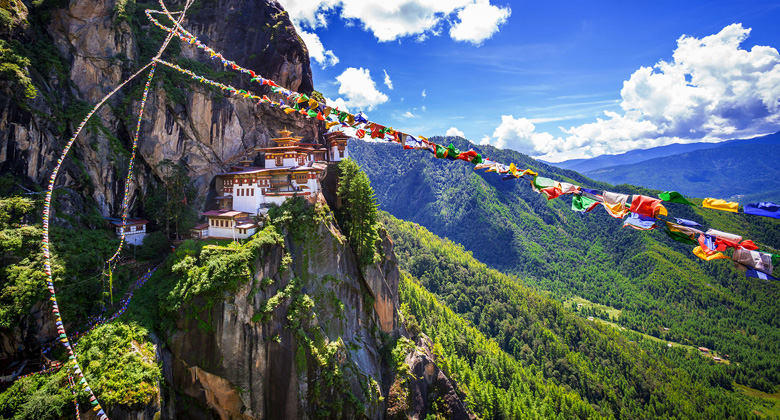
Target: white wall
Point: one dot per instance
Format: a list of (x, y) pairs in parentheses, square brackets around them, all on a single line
[(221, 232), (135, 238)]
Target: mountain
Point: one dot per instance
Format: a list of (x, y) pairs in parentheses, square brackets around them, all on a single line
[(730, 171), (647, 281), (637, 156), (521, 354)]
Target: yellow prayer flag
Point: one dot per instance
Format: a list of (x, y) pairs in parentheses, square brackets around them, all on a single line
[(660, 211), (718, 204), (616, 210), (313, 104), (289, 110), (330, 124), (699, 252)]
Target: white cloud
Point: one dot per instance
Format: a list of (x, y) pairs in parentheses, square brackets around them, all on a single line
[(711, 90), (478, 22), (455, 132), (388, 82), (424, 108), (359, 89), (423, 94), (408, 114), (339, 103), (317, 52)]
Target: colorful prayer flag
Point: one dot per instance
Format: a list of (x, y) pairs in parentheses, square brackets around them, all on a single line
[(718, 204), (674, 197), (766, 209)]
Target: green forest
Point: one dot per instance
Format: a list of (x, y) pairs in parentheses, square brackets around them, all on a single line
[(653, 282)]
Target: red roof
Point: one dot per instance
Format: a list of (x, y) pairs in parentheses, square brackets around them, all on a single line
[(201, 226)]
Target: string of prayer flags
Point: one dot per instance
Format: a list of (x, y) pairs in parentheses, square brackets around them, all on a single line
[(709, 256), (718, 204), (674, 197), (766, 209)]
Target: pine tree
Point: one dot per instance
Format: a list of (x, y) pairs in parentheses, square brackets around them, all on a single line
[(359, 216)]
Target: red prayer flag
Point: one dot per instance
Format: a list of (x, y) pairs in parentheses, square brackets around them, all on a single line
[(646, 206), (552, 192), (749, 245)]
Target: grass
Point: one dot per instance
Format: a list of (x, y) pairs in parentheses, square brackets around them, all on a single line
[(764, 405)]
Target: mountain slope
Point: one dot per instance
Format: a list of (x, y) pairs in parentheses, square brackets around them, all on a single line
[(725, 172), (636, 156), (534, 338), (653, 280)]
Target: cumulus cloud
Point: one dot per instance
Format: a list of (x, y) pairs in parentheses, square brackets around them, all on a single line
[(455, 132), (423, 94), (360, 89), (391, 20), (478, 22), (317, 52), (711, 90), (388, 82), (339, 103)]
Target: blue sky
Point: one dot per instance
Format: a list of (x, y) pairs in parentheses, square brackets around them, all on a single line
[(555, 80)]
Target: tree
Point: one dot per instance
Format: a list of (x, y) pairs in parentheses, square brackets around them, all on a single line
[(358, 215), (172, 205)]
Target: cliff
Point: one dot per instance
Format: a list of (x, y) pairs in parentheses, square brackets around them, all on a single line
[(311, 335), (79, 52)]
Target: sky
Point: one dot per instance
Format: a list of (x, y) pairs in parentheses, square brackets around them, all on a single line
[(555, 80)]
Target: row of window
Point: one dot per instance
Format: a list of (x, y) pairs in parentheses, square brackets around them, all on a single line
[(220, 223), (131, 229), (245, 192)]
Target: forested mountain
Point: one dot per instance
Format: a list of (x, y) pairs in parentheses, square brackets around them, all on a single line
[(523, 355), (641, 155), (653, 281), (729, 171)]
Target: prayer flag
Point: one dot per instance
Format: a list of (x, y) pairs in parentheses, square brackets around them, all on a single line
[(551, 192), (718, 204), (567, 188), (615, 204), (758, 275), (699, 252), (452, 152), (756, 260), (582, 203), (639, 222), (674, 197), (766, 209), (647, 206), (540, 182), (686, 222), (680, 236)]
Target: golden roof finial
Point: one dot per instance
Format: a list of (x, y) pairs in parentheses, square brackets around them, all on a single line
[(285, 133)]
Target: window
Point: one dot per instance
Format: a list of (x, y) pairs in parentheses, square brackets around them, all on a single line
[(279, 161), (253, 192)]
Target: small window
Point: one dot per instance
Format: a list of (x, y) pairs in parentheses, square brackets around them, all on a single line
[(253, 192), (279, 161)]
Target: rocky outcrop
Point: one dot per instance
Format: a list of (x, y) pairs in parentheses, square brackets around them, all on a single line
[(184, 121), (231, 361)]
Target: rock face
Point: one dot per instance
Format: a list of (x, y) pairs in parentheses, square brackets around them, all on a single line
[(237, 364), (184, 121)]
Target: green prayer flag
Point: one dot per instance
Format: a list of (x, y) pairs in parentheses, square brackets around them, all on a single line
[(452, 151), (312, 113), (342, 116), (674, 197), (477, 159), (775, 259), (680, 237), (581, 203), (540, 182), (441, 152)]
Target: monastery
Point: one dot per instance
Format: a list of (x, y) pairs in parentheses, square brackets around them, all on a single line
[(292, 168)]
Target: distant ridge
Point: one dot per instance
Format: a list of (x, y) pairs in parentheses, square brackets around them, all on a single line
[(637, 156), (736, 170)]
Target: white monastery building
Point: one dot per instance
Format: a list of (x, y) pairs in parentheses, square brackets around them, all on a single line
[(136, 230), (292, 168)]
